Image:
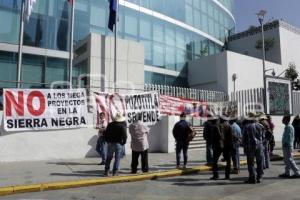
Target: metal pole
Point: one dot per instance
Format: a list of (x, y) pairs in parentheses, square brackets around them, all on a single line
[(264, 65), (20, 50), (115, 50), (71, 44)]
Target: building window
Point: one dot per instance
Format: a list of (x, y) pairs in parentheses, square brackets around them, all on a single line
[(8, 69)]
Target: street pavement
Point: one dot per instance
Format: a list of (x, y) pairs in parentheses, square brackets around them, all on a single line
[(182, 188), (32, 172)]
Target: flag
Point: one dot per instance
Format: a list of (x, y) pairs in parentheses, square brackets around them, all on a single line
[(113, 7), (28, 8)]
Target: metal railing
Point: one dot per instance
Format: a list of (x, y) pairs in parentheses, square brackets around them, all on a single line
[(248, 100), (188, 93), (296, 102)]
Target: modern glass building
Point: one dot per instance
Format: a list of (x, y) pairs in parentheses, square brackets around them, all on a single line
[(172, 31)]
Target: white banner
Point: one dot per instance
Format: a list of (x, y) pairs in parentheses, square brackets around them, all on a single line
[(146, 104), (42, 109)]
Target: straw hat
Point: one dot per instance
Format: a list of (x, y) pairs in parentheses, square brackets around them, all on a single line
[(251, 116), (119, 117), (224, 117)]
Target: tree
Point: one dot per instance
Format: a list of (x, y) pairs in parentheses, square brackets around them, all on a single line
[(291, 72), (269, 44), (204, 51), (252, 28)]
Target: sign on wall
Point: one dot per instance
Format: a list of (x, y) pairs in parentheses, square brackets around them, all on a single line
[(146, 104), (42, 109), (279, 101)]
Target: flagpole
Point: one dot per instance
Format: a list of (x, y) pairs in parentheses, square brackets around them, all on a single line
[(20, 50), (115, 50), (71, 44)]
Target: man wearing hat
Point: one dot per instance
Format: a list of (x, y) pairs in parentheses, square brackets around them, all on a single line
[(222, 143), (266, 139), (115, 136), (253, 147)]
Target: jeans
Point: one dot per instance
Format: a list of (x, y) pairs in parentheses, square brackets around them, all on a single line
[(266, 155), (135, 161), (235, 154), (209, 153), (113, 149), (101, 148), (227, 156), (289, 161), (184, 149), (255, 154)]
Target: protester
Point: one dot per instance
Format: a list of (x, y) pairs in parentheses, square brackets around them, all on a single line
[(139, 144), (266, 139), (287, 148), (181, 132), (222, 143), (115, 136), (237, 139), (207, 135), (253, 147), (296, 125), (272, 140), (101, 144)]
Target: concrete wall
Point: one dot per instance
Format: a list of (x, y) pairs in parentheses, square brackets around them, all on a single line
[(100, 56), (74, 143), (290, 46), (215, 72), (209, 72)]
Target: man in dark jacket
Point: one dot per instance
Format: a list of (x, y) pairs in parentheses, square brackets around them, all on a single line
[(181, 133), (253, 134), (207, 135), (222, 143), (115, 136)]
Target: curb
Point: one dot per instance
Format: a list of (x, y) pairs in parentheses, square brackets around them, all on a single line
[(111, 180), (103, 181)]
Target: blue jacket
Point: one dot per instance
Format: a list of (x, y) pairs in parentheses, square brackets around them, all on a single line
[(288, 136)]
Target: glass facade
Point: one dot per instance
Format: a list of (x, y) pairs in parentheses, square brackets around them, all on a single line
[(167, 45)]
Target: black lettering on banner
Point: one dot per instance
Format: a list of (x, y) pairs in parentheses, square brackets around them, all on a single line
[(69, 121), (74, 111), (75, 121), (61, 111), (36, 123), (82, 121), (44, 123), (10, 123), (28, 123), (49, 96), (21, 123)]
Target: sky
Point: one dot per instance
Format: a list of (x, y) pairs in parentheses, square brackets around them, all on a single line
[(244, 12)]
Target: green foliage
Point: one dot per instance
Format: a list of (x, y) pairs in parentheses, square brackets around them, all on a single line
[(269, 44), (204, 51), (252, 28), (291, 72)]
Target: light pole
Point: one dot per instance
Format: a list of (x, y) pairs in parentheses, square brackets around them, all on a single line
[(261, 15)]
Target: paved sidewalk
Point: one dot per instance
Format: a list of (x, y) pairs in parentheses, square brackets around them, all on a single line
[(26, 173), (23, 173)]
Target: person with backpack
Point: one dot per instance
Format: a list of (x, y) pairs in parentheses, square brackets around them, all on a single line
[(182, 132)]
